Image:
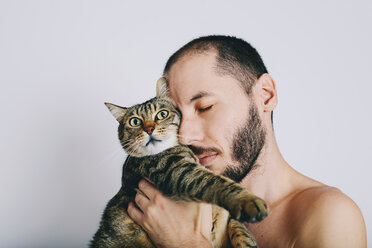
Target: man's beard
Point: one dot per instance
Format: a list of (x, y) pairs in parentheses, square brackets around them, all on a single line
[(247, 144)]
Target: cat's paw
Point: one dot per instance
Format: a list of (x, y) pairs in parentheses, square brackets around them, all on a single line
[(250, 209)]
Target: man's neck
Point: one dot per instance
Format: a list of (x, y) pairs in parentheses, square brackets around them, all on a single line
[(272, 179)]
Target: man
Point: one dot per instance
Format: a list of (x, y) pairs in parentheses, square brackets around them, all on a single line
[(226, 97)]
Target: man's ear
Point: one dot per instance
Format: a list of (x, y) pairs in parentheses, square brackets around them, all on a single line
[(162, 88), (117, 111), (268, 94)]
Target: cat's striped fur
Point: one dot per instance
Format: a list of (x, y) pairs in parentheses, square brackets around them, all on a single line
[(150, 138)]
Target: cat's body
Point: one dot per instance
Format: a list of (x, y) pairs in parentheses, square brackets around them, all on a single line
[(156, 154)]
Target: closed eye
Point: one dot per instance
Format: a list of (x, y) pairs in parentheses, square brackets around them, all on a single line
[(205, 109)]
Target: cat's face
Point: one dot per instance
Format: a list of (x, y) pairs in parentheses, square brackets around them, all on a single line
[(150, 127)]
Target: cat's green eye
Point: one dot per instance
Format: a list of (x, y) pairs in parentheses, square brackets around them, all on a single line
[(162, 115), (135, 122)]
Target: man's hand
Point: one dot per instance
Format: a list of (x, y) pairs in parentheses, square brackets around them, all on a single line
[(171, 223)]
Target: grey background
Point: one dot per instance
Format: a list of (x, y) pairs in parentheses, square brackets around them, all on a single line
[(60, 60)]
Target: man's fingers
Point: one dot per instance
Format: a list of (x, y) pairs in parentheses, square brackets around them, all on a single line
[(140, 192), (147, 188), (135, 213), (148, 179), (142, 201)]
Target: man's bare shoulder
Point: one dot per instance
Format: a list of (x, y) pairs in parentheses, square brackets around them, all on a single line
[(326, 217)]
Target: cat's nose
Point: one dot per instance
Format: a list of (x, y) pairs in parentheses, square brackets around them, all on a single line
[(149, 127), (149, 130)]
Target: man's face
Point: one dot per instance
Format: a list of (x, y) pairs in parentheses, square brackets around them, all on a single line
[(219, 121)]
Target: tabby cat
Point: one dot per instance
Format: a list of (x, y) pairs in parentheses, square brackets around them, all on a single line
[(148, 133)]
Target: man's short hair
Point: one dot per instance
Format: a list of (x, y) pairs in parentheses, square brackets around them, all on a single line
[(235, 57)]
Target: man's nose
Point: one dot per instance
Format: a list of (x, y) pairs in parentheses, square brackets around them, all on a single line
[(190, 131)]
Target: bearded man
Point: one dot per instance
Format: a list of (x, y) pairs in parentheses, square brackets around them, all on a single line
[(226, 97)]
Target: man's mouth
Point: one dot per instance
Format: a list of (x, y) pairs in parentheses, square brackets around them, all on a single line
[(206, 159), (205, 155)]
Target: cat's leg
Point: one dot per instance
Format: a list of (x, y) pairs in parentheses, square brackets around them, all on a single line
[(239, 235), (219, 234), (204, 185), (178, 176), (117, 229)]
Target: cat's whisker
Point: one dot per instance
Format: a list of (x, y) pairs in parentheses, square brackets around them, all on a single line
[(131, 142), (133, 151), (126, 141), (127, 146), (113, 155), (130, 152), (134, 145)]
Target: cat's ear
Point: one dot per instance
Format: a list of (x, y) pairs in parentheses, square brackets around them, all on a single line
[(117, 111), (162, 88)]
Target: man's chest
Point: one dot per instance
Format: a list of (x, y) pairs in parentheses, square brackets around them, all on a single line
[(277, 230)]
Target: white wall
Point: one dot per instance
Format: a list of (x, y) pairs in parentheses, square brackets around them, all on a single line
[(60, 60)]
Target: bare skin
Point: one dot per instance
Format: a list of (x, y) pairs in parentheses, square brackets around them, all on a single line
[(303, 212)]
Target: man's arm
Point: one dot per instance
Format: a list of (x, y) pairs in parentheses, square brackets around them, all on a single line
[(332, 220), (171, 223)]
